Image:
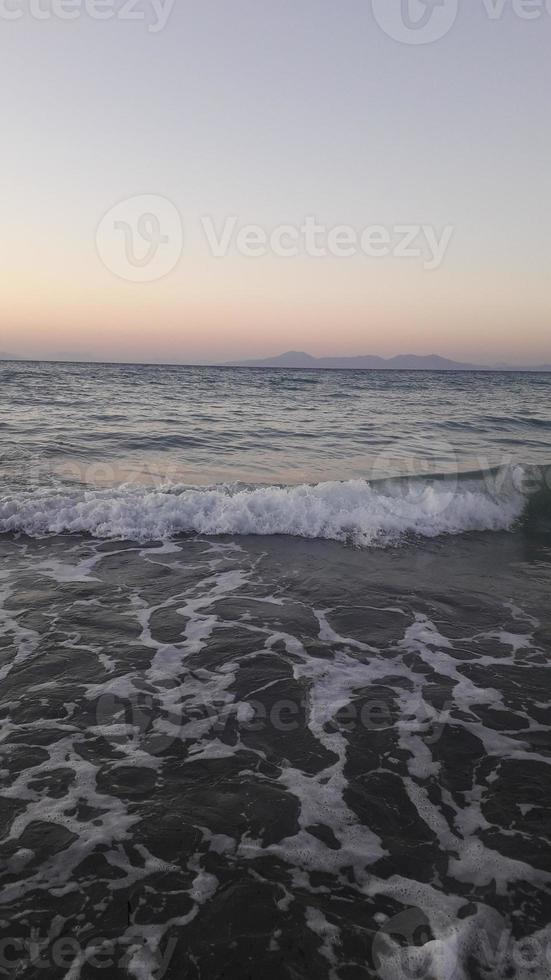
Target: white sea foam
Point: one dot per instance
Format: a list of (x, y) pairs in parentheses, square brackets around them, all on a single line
[(366, 513)]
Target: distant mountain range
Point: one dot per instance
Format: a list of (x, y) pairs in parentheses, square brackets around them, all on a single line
[(370, 362), (299, 359)]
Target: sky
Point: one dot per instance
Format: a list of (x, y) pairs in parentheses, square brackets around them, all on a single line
[(209, 180)]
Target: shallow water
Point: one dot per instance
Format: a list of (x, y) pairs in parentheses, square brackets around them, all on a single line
[(224, 754)]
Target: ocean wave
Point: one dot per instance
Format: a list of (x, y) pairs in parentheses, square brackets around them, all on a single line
[(358, 511)]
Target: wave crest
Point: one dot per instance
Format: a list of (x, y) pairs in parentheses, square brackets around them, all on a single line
[(365, 513)]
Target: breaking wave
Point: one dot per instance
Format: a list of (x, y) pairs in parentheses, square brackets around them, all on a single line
[(365, 513)]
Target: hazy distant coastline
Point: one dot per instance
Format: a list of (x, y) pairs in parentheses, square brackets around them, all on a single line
[(300, 360), (370, 362)]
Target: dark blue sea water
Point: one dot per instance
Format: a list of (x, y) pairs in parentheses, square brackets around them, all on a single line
[(275, 686)]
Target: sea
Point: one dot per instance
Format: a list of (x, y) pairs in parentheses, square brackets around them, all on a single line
[(275, 685)]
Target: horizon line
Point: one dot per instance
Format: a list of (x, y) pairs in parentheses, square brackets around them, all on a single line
[(236, 366)]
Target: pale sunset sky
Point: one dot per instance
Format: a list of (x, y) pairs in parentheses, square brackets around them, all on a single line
[(264, 113)]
